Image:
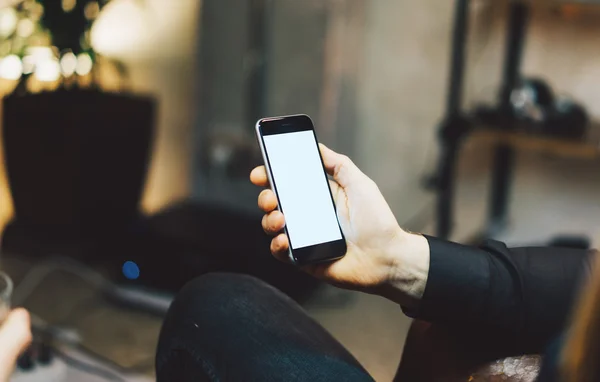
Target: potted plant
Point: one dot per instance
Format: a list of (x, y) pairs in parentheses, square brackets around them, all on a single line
[(76, 155)]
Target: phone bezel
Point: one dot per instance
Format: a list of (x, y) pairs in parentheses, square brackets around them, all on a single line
[(289, 124)]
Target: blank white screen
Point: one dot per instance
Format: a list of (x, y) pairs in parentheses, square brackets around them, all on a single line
[(302, 188)]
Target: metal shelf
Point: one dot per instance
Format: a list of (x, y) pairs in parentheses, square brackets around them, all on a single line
[(505, 132), (587, 149)]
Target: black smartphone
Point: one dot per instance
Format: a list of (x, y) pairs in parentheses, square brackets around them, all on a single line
[(297, 176)]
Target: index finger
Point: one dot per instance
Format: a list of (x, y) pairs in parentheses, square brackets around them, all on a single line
[(258, 176)]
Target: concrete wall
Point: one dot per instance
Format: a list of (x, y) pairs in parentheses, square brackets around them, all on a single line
[(402, 91), (401, 96)]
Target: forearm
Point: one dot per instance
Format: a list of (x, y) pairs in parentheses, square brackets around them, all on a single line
[(409, 271)]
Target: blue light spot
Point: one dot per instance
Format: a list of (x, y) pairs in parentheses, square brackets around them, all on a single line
[(131, 271)]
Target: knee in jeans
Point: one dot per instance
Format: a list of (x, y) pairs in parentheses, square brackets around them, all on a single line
[(213, 292), (223, 284)]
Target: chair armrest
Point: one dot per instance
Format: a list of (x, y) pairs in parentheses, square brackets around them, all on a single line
[(436, 354)]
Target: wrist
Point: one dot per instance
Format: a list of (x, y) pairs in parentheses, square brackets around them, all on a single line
[(409, 268)]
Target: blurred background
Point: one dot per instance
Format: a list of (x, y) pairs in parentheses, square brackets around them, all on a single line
[(128, 136)]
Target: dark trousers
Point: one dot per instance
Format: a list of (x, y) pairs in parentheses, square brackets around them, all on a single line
[(226, 327)]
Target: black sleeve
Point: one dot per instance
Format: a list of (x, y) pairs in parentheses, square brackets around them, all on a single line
[(524, 292)]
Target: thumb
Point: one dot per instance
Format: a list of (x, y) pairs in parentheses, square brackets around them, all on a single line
[(15, 336), (343, 170)]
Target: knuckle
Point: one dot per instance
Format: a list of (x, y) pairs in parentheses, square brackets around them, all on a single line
[(344, 164), (345, 161)]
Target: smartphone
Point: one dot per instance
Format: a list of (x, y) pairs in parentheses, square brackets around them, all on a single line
[(297, 176)]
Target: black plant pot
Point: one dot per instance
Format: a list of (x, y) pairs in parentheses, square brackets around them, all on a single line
[(77, 159)]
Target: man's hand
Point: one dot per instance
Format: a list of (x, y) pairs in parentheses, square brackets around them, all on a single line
[(15, 336), (381, 257)]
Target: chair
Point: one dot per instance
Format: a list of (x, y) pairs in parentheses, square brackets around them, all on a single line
[(436, 354)]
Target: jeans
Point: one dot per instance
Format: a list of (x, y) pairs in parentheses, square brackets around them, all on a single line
[(226, 327)]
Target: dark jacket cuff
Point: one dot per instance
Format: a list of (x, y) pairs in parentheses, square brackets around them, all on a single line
[(457, 275)]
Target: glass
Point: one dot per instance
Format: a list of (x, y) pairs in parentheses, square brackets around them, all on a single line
[(6, 289)]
